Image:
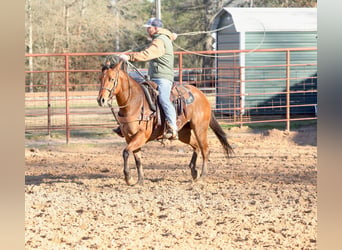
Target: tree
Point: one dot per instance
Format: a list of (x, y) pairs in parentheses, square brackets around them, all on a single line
[(116, 26), (29, 42)]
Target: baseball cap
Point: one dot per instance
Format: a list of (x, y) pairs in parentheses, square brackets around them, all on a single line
[(154, 22)]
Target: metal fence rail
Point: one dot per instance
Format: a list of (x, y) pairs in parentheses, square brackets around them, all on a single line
[(61, 90)]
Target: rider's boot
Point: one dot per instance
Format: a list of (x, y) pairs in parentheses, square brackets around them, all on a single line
[(118, 131), (171, 133)]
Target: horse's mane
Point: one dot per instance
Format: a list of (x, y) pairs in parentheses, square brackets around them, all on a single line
[(105, 67), (110, 65)]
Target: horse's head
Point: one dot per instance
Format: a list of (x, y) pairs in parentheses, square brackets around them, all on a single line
[(109, 79)]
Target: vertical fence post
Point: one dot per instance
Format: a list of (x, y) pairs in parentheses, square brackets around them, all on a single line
[(241, 92), (48, 103), (288, 90), (67, 128)]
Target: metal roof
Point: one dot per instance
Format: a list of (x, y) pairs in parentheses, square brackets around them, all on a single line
[(271, 19)]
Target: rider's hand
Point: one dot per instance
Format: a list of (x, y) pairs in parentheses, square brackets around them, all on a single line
[(174, 36), (124, 57)]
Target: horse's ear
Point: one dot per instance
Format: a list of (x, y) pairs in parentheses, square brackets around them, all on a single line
[(105, 65), (121, 64)]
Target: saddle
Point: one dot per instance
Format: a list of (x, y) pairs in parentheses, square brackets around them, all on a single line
[(180, 97)]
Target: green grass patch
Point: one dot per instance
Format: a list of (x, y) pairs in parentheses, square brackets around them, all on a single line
[(282, 125), (92, 134), (272, 125), (61, 134)]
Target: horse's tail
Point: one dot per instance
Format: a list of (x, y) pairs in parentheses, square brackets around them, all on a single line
[(221, 135)]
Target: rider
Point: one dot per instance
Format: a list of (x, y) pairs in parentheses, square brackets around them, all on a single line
[(160, 55)]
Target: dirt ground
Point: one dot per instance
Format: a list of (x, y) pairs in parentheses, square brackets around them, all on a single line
[(265, 197)]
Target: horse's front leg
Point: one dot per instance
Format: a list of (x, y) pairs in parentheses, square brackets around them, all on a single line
[(127, 172), (134, 145), (137, 157)]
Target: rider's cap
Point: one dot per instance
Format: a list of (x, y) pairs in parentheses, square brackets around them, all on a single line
[(154, 22)]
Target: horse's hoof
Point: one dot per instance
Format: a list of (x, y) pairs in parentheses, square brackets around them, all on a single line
[(129, 182), (140, 183), (203, 175), (195, 175)]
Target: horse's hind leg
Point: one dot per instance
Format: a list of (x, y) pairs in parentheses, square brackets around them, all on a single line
[(202, 141), (194, 172), (186, 137)]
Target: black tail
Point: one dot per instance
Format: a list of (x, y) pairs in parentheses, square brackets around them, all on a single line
[(221, 135)]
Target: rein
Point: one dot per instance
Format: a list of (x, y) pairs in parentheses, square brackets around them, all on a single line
[(125, 119), (136, 69)]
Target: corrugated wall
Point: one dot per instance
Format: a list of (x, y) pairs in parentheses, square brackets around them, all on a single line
[(228, 66), (259, 66), (275, 77)]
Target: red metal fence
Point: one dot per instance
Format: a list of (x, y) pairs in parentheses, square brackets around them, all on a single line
[(61, 89)]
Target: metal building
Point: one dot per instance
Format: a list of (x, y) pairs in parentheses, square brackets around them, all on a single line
[(265, 28)]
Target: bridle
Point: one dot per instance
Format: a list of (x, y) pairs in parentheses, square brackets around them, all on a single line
[(115, 84), (112, 90)]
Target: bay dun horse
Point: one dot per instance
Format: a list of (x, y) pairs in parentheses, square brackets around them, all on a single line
[(139, 123)]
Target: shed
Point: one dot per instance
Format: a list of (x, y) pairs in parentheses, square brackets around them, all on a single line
[(265, 28)]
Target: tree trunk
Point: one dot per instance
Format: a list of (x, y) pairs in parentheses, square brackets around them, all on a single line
[(66, 26), (30, 43)]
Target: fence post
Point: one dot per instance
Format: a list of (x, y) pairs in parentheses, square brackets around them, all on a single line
[(241, 97), (67, 128), (48, 104), (288, 90), (180, 66)]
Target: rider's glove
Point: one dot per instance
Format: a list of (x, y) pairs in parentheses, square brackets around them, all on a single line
[(124, 57)]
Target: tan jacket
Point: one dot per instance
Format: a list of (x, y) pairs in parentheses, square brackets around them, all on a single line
[(154, 50)]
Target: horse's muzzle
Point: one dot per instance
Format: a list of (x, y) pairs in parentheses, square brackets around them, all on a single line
[(101, 101)]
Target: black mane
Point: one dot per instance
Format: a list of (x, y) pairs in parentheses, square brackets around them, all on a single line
[(110, 62), (108, 66)]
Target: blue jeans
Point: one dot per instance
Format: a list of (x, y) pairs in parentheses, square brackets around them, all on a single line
[(164, 88)]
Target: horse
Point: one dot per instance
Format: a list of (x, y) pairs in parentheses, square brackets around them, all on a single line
[(138, 121)]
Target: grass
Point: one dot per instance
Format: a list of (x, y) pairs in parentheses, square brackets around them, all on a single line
[(107, 133), (101, 133), (274, 125), (92, 134)]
